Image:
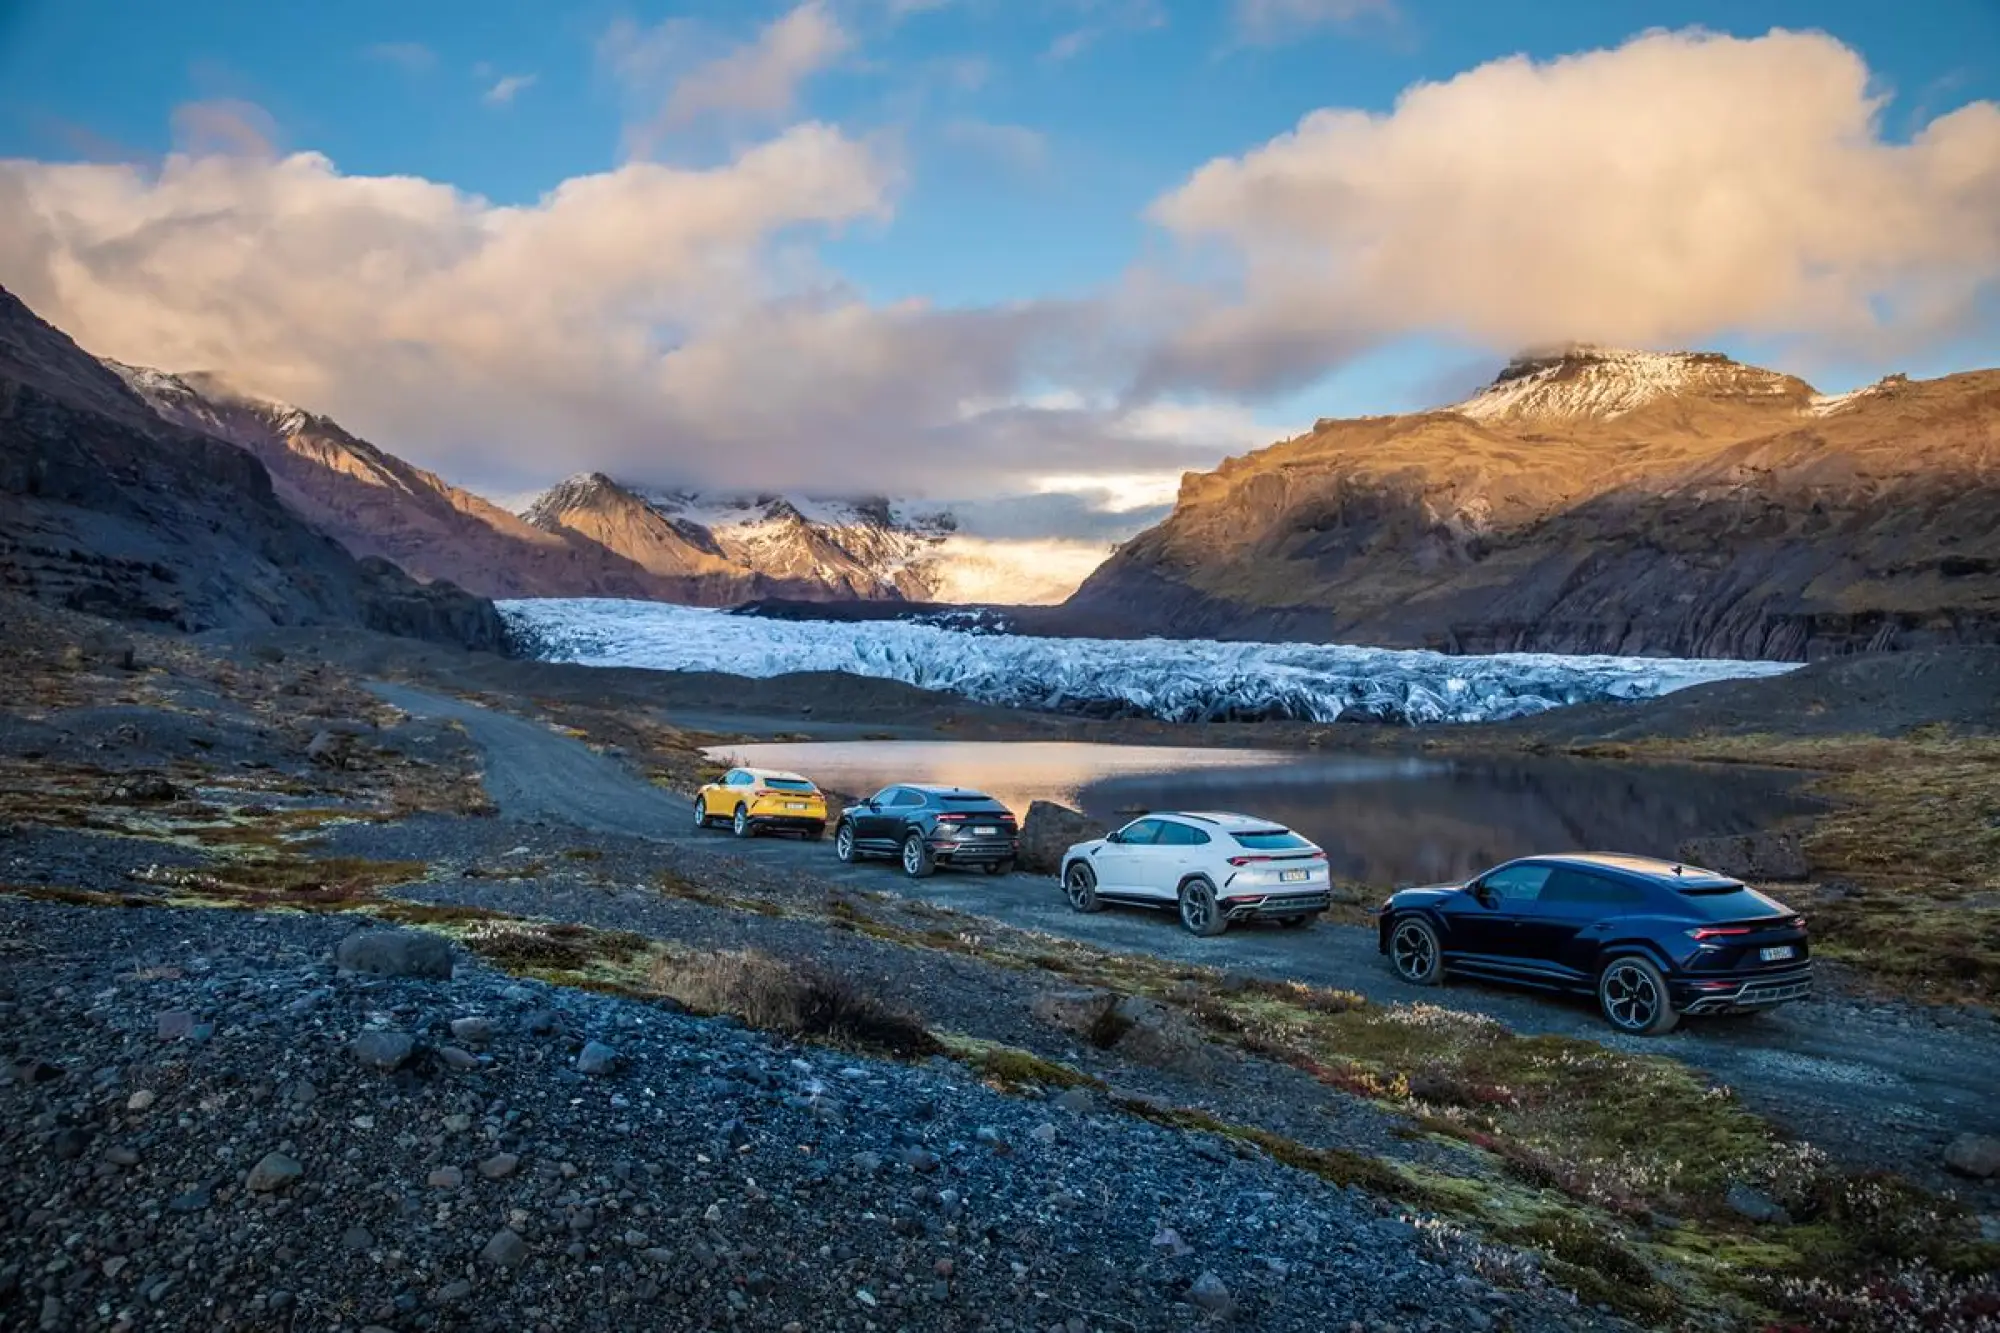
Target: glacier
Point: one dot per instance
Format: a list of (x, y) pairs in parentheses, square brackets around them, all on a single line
[(1176, 680)]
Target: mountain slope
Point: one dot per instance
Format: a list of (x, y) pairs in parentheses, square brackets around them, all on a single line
[(1594, 501), (113, 510), (375, 504)]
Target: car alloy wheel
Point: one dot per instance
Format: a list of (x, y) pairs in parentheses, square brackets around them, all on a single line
[(740, 825), (843, 842), (1633, 995), (917, 861), (1200, 913), (1413, 948), (700, 812), (1080, 887)]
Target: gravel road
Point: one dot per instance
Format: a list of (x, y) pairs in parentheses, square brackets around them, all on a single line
[(1875, 1083)]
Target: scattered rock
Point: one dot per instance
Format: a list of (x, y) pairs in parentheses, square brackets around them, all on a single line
[(474, 1031), (174, 1025), (1758, 857), (505, 1250), (329, 749), (499, 1166), (274, 1171), (382, 1050), (120, 1156), (596, 1058), (1974, 1155), (69, 1143), (395, 953), (1754, 1204), (142, 788), (457, 1058), (1048, 830), (1155, 1035), (357, 1239), (446, 1178), (1209, 1293), (1169, 1243)]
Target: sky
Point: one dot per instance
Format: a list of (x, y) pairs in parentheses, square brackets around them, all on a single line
[(979, 248)]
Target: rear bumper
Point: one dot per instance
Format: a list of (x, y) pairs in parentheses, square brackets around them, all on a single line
[(974, 851), (1249, 907), (1738, 994), (800, 822)]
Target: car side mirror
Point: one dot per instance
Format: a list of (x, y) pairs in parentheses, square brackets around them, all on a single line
[(1481, 892), (1116, 837)]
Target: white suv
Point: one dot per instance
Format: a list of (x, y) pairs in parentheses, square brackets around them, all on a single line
[(1216, 868)]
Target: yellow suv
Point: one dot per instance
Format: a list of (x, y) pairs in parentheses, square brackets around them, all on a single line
[(756, 799)]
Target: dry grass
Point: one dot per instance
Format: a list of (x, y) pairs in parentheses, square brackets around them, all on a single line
[(797, 999), (1907, 857)]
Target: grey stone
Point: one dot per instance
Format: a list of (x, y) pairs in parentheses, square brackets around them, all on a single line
[(119, 1155), (395, 953), (141, 1100), (596, 1058), (505, 1250), (1077, 1101), (382, 1050), (1974, 1155), (499, 1166), (1210, 1294), (446, 1178), (1754, 1204), (1169, 1243), (452, 1292), (174, 1025), (274, 1171), (1048, 830), (458, 1059), (474, 1031), (357, 1239)]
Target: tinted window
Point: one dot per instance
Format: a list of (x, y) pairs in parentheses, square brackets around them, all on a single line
[(736, 777), (1728, 904), (904, 796), (1270, 840), (1181, 835), (1519, 884), (1141, 833), (788, 784), (887, 796), (969, 797), (1566, 884)]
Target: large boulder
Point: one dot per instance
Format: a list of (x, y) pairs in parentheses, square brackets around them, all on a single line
[(395, 953), (1050, 830), (1141, 1030), (1762, 858), (1974, 1155)]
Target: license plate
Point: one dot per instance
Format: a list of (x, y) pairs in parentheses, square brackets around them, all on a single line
[(795, 805), (1775, 953), (984, 831), (1294, 876)]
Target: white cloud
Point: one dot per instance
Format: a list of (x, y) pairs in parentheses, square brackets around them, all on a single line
[(677, 73), (1275, 20), (506, 88), (1676, 188), (225, 125), (1101, 19), (1018, 147)]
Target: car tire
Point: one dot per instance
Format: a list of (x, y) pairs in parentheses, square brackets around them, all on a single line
[(1000, 867), (1414, 952), (813, 832), (740, 824), (917, 859), (701, 812), (843, 842), (1633, 996), (1201, 914), (1300, 922), (1080, 887)]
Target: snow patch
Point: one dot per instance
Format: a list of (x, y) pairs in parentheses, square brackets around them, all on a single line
[(1602, 383), (1175, 679)]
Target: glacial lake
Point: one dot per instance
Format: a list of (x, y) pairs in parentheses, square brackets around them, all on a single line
[(1383, 819)]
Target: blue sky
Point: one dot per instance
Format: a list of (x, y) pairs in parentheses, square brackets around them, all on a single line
[(1021, 142)]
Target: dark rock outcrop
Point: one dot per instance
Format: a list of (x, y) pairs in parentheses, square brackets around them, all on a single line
[(1048, 830), (109, 509), (1761, 858)]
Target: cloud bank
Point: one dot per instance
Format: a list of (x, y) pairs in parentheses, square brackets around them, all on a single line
[(1673, 189), (678, 326)]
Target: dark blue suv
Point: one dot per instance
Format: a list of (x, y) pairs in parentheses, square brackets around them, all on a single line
[(1652, 940)]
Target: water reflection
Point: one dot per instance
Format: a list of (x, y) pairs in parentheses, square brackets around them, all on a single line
[(1383, 820)]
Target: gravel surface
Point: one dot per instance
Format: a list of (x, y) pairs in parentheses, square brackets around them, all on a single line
[(206, 1126)]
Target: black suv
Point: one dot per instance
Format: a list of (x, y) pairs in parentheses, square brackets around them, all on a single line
[(926, 827), (1651, 939)]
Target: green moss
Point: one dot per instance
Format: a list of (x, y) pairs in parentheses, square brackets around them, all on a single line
[(1012, 1068)]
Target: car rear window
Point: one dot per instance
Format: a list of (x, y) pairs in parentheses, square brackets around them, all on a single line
[(969, 797), (1728, 902), (788, 784), (1270, 840)]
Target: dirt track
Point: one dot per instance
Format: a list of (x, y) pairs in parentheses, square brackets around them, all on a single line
[(1878, 1083)]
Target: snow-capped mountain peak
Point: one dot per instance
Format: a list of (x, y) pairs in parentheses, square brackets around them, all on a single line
[(1587, 382)]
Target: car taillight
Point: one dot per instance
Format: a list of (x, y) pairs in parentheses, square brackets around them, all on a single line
[(953, 819), (1317, 856), (1710, 932), (1797, 923), (1246, 860)]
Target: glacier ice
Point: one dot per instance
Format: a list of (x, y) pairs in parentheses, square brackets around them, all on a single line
[(1181, 680)]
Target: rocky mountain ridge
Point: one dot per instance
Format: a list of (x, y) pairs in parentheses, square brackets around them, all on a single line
[(1595, 501), (112, 509)]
